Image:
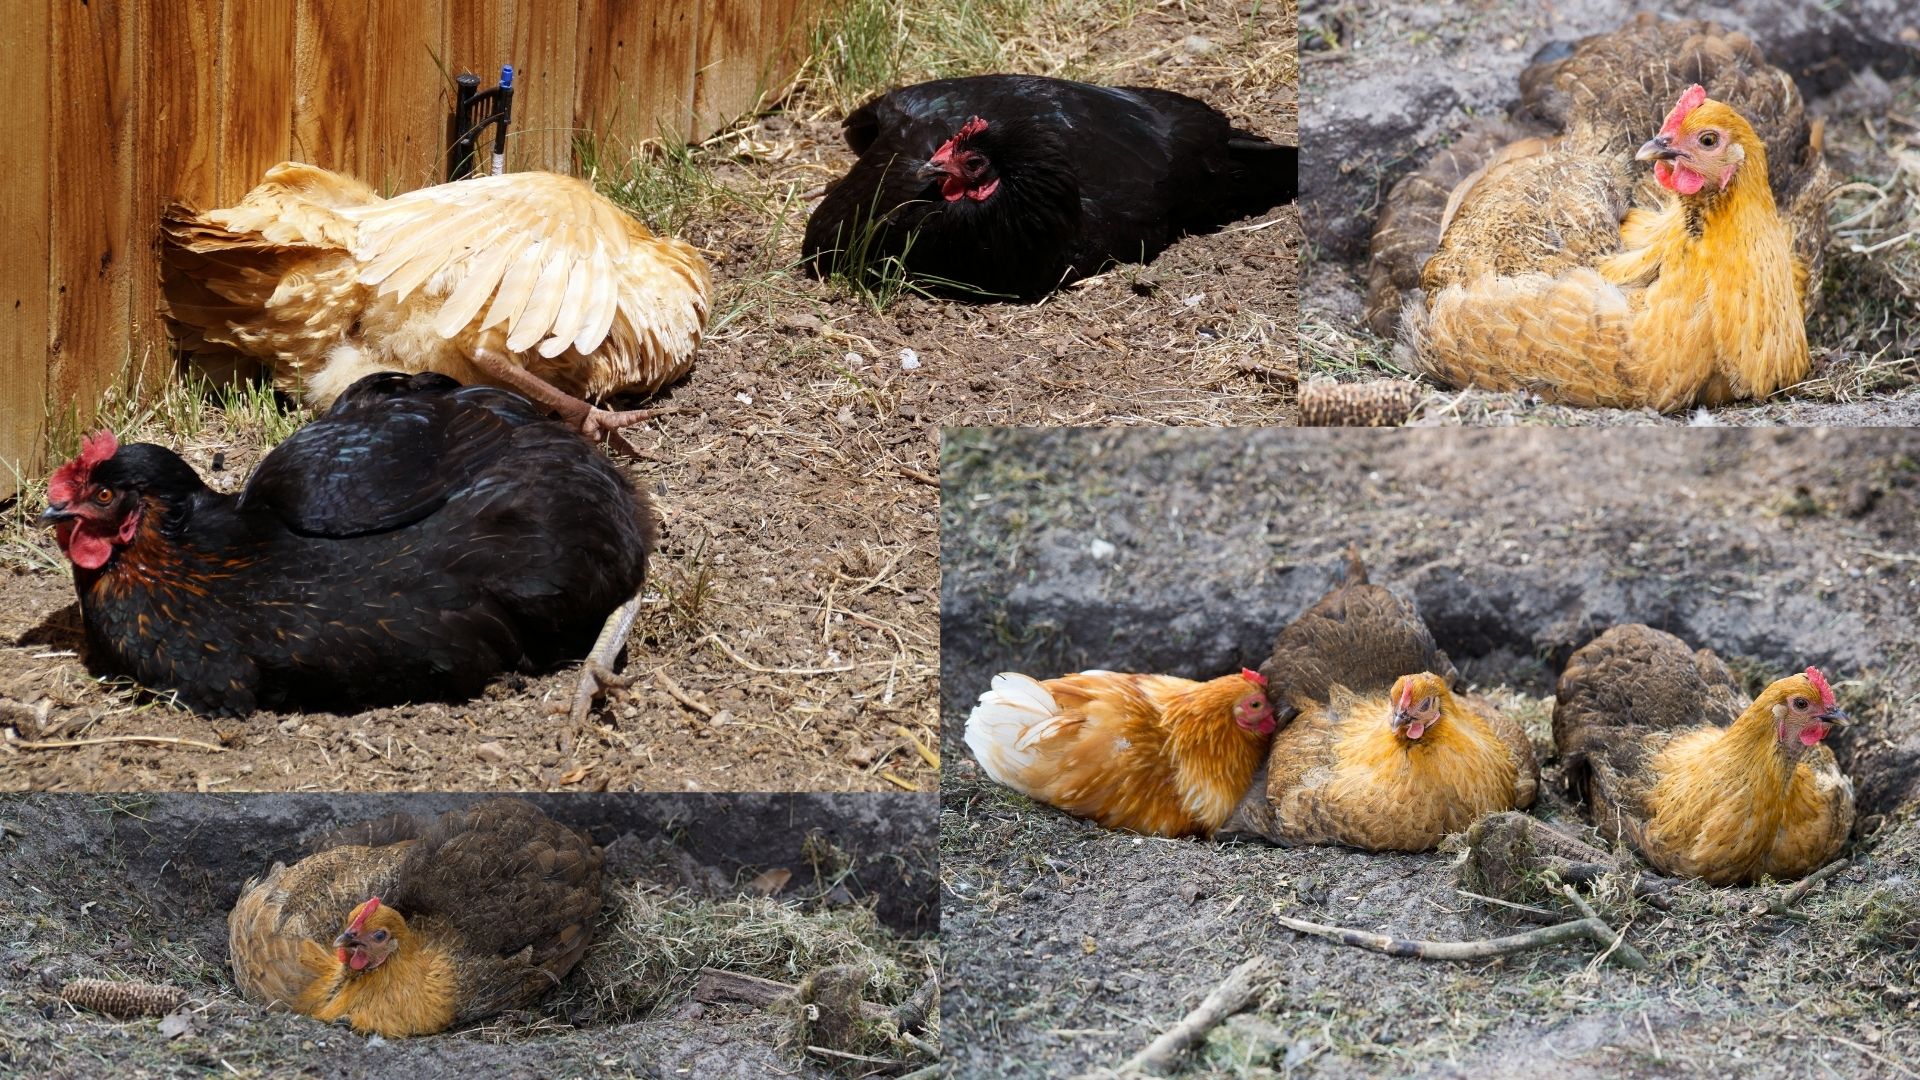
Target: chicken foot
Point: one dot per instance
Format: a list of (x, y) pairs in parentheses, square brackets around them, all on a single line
[(595, 423), (596, 673)]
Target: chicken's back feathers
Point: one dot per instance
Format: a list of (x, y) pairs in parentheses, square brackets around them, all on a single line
[(1361, 636), (537, 265), (1091, 175)]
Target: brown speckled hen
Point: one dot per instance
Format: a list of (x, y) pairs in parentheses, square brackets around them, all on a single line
[(407, 927)]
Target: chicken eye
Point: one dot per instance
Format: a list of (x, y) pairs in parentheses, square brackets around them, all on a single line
[(103, 496), (379, 935), (1709, 139), (1801, 703)]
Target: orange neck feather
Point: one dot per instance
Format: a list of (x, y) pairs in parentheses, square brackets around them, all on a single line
[(413, 993), (1214, 756)]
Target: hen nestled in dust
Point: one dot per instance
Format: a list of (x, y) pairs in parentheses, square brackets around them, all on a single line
[(407, 927), (412, 543), (1155, 754), (1013, 185), (1382, 752), (1672, 759), (1543, 254), (532, 281)]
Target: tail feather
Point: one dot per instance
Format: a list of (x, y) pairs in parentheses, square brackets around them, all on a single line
[(1006, 726)]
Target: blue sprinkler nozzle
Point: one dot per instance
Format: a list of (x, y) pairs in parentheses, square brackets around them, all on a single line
[(506, 77)]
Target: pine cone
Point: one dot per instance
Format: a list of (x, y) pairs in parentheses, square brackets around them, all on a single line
[(123, 999), (1381, 403)]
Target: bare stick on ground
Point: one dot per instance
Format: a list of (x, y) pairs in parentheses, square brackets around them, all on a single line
[(1617, 947), (1783, 904), (1239, 989), (1588, 929)]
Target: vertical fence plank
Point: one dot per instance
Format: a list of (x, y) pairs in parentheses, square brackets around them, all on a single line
[(545, 39), (730, 63), (329, 83), (256, 81), (408, 97), (637, 69), (26, 34), (179, 151), (90, 256)]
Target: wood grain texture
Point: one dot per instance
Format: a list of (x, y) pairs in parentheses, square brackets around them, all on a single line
[(637, 69), (545, 43), (330, 79), (731, 61), (89, 217), (256, 130), (408, 98), (26, 32)]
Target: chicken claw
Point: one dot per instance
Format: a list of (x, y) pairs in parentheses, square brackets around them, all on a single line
[(602, 425), (596, 673)]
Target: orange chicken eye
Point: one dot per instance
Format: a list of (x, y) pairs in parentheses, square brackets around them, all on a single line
[(1709, 139), (103, 496)]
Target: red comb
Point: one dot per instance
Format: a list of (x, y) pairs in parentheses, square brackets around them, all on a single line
[(1688, 102), (64, 486), (1406, 694), (359, 922), (972, 127), (1819, 682), (1254, 677)]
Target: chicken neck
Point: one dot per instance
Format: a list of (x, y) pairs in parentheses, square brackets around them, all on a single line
[(414, 992)]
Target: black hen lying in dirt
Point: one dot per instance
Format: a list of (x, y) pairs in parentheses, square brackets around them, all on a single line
[(1015, 184), (411, 543)]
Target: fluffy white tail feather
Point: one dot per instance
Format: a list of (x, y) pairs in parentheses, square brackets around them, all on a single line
[(1004, 727)]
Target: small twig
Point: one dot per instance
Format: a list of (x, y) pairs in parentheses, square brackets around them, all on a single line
[(1783, 904), (855, 1057), (1537, 914), (1590, 929), (1617, 947), (904, 785), (751, 666), (917, 476), (926, 753), (681, 696), (1869, 1052), (1238, 990), (14, 740)]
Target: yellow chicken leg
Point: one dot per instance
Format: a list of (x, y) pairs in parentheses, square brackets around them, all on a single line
[(590, 420), (596, 672)]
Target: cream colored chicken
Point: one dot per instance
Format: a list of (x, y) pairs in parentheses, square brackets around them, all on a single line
[(531, 281)]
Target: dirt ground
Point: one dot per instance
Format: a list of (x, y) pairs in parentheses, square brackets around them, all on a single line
[(1070, 947), (792, 606), (137, 887), (1386, 82)]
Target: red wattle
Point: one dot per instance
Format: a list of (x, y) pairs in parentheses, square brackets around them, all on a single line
[(1812, 734), (86, 548)]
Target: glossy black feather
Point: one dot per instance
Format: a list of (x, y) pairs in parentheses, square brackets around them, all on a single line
[(1089, 175), (418, 539)]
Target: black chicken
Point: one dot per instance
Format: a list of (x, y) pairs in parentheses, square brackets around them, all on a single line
[(414, 541), (1015, 184)]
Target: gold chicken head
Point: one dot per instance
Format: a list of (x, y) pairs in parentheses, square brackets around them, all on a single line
[(1804, 711), (1701, 146), (1418, 701), (1252, 711), (372, 935)]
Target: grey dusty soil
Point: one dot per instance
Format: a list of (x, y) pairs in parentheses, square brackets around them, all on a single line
[(794, 599), (1386, 82), (1070, 947), (137, 887)]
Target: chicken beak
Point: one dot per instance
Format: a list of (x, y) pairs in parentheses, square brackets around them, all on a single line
[(931, 172), (1658, 148), (56, 513), (1835, 718)]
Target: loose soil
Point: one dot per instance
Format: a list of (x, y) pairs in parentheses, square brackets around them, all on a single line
[(1070, 947), (138, 887), (793, 602), (1387, 82)]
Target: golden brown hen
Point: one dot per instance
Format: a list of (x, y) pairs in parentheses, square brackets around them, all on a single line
[(1672, 759), (1536, 254), (532, 281), (1382, 753), (1156, 754), (407, 927)]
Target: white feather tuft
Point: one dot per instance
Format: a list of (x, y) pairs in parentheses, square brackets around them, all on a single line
[(1004, 727)]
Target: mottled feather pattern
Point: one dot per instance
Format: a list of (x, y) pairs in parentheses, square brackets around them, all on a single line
[(1674, 760), (498, 901)]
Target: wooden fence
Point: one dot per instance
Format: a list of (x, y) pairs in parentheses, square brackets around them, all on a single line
[(118, 107)]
